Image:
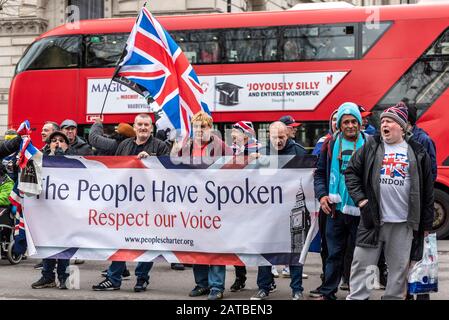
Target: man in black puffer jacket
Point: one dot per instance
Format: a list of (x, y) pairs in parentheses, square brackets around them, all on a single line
[(143, 146), (390, 179)]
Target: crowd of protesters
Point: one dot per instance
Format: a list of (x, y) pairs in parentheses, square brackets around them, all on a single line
[(364, 219)]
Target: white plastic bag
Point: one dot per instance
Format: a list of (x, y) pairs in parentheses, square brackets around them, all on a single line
[(423, 277)]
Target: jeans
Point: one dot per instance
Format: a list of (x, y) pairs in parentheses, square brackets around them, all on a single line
[(48, 269), (212, 277), (296, 279), (265, 278), (340, 236), (116, 269)]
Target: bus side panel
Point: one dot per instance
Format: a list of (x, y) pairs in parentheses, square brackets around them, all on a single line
[(43, 95), (435, 122), (100, 73)]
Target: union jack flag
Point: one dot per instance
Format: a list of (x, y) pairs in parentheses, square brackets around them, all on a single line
[(27, 150), (154, 66), (394, 165)]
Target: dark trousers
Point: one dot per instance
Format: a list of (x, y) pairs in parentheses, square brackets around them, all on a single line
[(240, 273), (322, 218), (340, 236), (265, 278), (115, 271), (347, 261), (48, 268)]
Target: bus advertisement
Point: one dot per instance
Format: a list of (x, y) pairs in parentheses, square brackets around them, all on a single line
[(258, 66)]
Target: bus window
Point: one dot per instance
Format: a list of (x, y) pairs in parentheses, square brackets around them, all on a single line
[(299, 37), (190, 49), (371, 33), (251, 45), (293, 50), (208, 45), (336, 43), (441, 46), (198, 46), (104, 51), (209, 53), (319, 42), (52, 53), (424, 82)]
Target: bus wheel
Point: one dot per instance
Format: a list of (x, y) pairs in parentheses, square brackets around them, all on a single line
[(441, 220)]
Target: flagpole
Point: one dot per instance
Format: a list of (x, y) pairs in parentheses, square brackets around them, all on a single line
[(106, 97), (117, 69)]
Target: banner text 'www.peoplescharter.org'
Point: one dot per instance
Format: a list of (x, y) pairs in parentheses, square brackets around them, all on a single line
[(154, 240)]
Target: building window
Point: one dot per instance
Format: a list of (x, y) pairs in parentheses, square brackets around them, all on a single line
[(92, 9)]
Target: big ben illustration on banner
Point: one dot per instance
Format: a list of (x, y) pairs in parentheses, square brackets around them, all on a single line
[(299, 221)]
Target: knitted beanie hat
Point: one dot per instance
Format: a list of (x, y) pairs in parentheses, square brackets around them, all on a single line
[(348, 108), (246, 127), (126, 130), (398, 113)]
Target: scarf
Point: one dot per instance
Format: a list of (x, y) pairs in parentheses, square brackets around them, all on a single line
[(337, 188)]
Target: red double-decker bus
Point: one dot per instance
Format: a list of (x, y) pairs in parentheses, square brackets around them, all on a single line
[(258, 66)]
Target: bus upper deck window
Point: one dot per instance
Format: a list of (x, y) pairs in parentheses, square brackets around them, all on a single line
[(371, 33), (52, 53), (319, 42), (251, 45), (104, 51), (441, 46)]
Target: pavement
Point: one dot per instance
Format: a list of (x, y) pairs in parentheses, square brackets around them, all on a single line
[(168, 284)]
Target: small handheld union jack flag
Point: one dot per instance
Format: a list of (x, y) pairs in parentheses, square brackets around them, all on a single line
[(154, 66), (27, 150)]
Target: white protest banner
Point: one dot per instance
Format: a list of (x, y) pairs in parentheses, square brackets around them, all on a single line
[(97, 207)]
